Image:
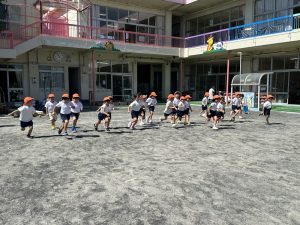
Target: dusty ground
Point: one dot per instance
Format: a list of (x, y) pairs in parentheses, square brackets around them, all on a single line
[(245, 173)]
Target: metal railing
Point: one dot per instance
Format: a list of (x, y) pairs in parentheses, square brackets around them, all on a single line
[(9, 39), (266, 27)]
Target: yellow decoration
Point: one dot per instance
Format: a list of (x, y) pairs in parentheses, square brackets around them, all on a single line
[(210, 43)]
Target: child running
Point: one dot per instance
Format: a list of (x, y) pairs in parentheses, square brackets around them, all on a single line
[(75, 112), (203, 112), (142, 113), (151, 101), (104, 114), (188, 109), (50, 104), (236, 106), (134, 109), (267, 108), (220, 109), (27, 111), (65, 106), (213, 111), (181, 110), (169, 110)]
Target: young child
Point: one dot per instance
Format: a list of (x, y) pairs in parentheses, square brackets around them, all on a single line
[(50, 104), (204, 105), (104, 113), (235, 106), (213, 111), (220, 109), (188, 108), (134, 109), (27, 111), (65, 106), (75, 112), (169, 110), (181, 109), (267, 108), (151, 101), (142, 113)]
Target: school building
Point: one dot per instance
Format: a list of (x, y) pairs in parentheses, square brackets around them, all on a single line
[(116, 47)]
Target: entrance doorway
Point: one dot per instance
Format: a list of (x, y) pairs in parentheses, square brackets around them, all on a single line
[(294, 89), (122, 87), (174, 81), (3, 85), (117, 87), (74, 80), (143, 78)]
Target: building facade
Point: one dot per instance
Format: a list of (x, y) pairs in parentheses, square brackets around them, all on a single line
[(99, 48)]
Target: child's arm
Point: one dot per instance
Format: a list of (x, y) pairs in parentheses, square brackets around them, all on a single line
[(129, 108), (13, 112)]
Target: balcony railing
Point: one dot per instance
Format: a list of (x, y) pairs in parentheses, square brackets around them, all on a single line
[(121, 36), (266, 27), (9, 39)]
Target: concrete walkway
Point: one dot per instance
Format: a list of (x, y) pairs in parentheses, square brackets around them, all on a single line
[(245, 173)]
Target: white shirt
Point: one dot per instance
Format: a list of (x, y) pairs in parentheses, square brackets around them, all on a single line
[(176, 101), (268, 105), (142, 103), (211, 93), (220, 107), (65, 107), (169, 106), (26, 113), (187, 105), (135, 105), (181, 106), (50, 106), (111, 106), (105, 108), (151, 101), (213, 106), (236, 101), (78, 107), (204, 101)]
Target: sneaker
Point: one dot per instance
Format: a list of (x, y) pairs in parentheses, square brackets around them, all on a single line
[(174, 125), (240, 117), (29, 136), (74, 130), (142, 123), (107, 130), (132, 128), (53, 127), (129, 124), (150, 121), (95, 127), (65, 133), (189, 123), (215, 128), (59, 130)]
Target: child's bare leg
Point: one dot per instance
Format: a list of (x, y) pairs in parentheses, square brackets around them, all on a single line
[(66, 123), (30, 130), (74, 122), (134, 122)]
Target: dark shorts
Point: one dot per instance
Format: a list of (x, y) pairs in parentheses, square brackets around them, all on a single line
[(233, 107), (109, 115), (168, 114), (220, 114), (134, 114), (180, 113), (238, 107), (151, 108), (204, 107), (101, 116), (65, 117), (76, 115), (187, 111), (213, 113), (142, 112), (267, 112), (26, 124)]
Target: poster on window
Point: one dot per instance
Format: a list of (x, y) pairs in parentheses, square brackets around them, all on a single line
[(248, 99)]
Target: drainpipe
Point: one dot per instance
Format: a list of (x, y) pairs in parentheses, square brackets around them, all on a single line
[(227, 76)]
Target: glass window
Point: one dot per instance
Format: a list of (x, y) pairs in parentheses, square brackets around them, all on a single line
[(102, 13), (112, 13), (127, 82), (278, 63), (51, 77), (117, 68), (15, 79), (291, 62), (143, 18), (264, 64), (103, 66), (123, 15)]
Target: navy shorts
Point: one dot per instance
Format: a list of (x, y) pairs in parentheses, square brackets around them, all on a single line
[(180, 113), (101, 116), (187, 111), (220, 114), (142, 111), (238, 107), (151, 108), (204, 107), (213, 113), (134, 114), (233, 107), (267, 112), (26, 124), (65, 117), (109, 115), (76, 115)]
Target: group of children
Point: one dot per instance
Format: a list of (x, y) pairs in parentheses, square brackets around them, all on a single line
[(177, 107)]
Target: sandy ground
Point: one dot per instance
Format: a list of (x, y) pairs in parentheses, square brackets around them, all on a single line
[(245, 173)]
